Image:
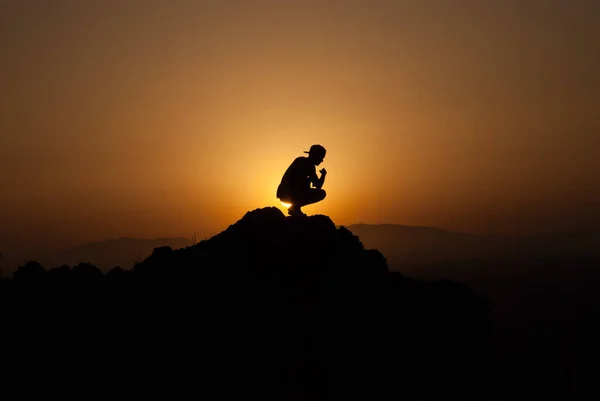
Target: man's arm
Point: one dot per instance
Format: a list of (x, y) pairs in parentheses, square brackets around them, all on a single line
[(320, 181)]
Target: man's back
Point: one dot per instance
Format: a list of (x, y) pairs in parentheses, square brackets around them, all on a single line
[(297, 177)]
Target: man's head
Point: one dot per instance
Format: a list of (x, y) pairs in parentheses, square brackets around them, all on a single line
[(316, 154)]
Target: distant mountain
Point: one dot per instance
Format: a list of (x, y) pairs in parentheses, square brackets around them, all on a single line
[(123, 252), (404, 244)]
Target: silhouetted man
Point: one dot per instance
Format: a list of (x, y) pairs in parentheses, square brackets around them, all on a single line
[(295, 187)]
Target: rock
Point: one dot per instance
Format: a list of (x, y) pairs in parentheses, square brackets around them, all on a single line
[(272, 307)]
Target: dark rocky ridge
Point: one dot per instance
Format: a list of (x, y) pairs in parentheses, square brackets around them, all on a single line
[(273, 307)]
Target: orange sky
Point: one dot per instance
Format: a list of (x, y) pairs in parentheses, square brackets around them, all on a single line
[(164, 118)]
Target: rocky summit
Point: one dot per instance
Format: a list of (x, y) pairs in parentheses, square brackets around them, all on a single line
[(274, 307)]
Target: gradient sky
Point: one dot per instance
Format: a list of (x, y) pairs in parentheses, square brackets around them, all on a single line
[(163, 118)]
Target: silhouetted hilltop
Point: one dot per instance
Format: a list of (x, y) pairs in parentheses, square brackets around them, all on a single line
[(265, 241), (274, 307)]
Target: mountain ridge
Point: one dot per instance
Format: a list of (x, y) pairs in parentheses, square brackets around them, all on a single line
[(290, 308), (273, 307), (407, 244)]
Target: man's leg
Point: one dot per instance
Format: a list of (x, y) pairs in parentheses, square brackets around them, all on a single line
[(305, 198), (314, 196), (292, 210)]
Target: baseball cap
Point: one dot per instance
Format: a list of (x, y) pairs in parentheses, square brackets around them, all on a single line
[(316, 149)]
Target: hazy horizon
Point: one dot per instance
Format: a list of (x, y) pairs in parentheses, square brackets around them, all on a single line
[(152, 119)]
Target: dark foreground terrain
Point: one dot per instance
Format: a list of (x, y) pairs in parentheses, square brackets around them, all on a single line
[(278, 308)]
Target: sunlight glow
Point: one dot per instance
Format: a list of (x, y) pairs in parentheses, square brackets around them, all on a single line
[(286, 205)]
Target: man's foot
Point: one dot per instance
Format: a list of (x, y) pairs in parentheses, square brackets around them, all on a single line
[(295, 211)]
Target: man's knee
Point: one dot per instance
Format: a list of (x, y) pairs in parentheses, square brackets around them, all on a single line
[(321, 194)]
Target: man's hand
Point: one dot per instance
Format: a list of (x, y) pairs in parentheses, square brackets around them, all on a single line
[(323, 171)]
